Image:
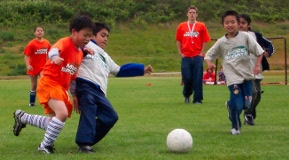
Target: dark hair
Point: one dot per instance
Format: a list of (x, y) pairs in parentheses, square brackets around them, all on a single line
[(37, 27), (231, 13), (247, 19), (99, 26), (80, 22)]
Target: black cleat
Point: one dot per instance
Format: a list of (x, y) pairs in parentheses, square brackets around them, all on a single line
[(18, 125)]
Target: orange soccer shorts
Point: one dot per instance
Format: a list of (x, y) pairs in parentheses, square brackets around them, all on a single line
[(48, 89)]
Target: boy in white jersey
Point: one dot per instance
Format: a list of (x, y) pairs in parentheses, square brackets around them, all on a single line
[(97, 115), (235, 49)]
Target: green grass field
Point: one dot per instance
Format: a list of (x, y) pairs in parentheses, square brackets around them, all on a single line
[(146, 115)]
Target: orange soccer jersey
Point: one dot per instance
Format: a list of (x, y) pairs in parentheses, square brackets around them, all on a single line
[(56, 78), (37, 53), (191, 42)]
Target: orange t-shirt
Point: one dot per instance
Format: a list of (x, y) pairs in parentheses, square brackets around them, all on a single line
[(65, 72), (37, 52), (191, 42)]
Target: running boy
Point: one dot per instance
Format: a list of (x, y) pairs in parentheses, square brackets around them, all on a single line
[(235, 49), (35, 56), (65, 57), (97, 115)]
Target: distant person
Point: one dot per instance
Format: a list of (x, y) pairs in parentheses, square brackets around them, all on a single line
[(191, 37), (35, 56), (209, 76), (234, 48), (97, 115), (222, 77), (65, 57), (245, 22)]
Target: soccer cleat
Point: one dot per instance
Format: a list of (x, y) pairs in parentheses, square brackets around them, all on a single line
[(187, 99), (229, 112), (249, 119), (85, 149), (235, 132), (18, 125), (46, 149)]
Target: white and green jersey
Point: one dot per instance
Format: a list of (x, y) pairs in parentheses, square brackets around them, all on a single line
[(235, 53)]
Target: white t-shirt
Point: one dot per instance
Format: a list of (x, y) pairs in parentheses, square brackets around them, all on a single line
[(235, 53)]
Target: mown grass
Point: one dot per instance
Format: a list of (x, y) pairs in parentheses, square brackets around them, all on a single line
[(146, 115)]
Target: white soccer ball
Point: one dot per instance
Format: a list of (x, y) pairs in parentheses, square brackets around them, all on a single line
[(179, 140)]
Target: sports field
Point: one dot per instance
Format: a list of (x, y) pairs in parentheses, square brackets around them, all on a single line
[(149, 108)]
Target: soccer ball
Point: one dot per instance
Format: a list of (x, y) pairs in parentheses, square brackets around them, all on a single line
[(179, 140)]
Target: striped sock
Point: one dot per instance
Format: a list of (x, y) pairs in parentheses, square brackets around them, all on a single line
[(52, 132), (35, 120)]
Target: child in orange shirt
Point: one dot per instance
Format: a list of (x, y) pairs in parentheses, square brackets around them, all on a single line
[(65, 57), (209, 77), (35, 56)]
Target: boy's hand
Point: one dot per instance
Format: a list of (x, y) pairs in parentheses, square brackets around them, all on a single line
[(148, 69), (88, 51), (56, 60), (75, 104), (256, 69), (210, 64)]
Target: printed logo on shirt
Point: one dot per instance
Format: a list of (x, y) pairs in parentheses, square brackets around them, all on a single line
[(69, 68), (41, 51), (237, 52), (191, 34)]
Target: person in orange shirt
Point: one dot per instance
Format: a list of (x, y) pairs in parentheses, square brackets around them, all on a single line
[(191, 37), (35, 56), (209, 77), (65, 57)]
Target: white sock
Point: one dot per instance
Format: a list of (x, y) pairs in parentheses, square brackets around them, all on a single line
[(35, 120), (53, 129)]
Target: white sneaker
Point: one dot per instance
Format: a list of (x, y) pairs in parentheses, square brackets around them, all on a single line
[(234, 131)]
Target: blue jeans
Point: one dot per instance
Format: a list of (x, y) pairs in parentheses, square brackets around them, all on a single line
[(192, 76), (97, 115), (237, 101)]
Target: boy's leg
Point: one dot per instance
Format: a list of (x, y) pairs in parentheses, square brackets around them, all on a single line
[(198, 79), (236, 105), (55, 125), (187, 77), (21, 119), (256, 97), (33, 87), (247, 89), (106, 118)]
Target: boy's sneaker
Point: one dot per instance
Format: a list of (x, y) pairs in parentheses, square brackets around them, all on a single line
[(18, 125), (235, 132), (31, 104), (249, 119), (229, 112), (46, 149), (85, 149)]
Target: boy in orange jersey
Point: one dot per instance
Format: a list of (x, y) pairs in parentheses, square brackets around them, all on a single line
[(65, 57), (35, 56)]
